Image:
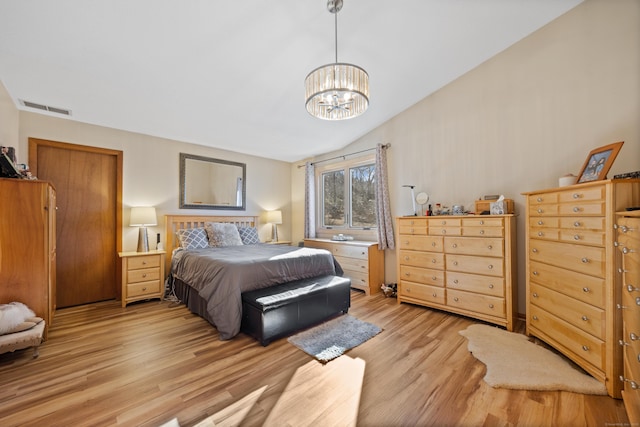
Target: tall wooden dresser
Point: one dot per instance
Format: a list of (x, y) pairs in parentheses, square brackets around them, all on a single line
[(461, 264), (28, 245), (628, 242), (573, 284), (361, 261)]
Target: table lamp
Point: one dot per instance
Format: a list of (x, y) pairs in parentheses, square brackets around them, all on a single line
[(142, 217)]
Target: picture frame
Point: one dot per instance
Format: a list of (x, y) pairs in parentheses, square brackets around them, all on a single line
[(599, 162)]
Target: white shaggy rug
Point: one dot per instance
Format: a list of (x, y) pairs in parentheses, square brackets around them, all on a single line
[(514, 362)]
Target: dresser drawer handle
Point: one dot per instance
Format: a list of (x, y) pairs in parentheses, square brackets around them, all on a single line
[(576, 237), (624, 228), (634, 385), (586, 290), (535, 295), (481, 231), (481, 222), (535, 317), (540, 210), (455, 262), (444, 223), (434, 295), (444, 231), (433, 244), (621, 307), (633, 337), (144, 289), (490, 266), (456, 299), (144, 275), (576, 195), (491, 286), (623, 343), (455, 245), (407, 274), (585, 318), (490, 305), (577, 209), (144, 262), (534, 250), (406, 258), (585, 260), (490, 247), (539, 199), (412, 230), (622, 270), (455, 281), (576, 224), (433, 261), (585, 347), (540, 222), (406, 242), (626, 250), (535, 273), (616, 244), (630, 288), (540, 234), (434, 278)]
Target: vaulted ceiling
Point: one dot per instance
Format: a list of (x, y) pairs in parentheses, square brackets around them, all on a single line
[(230, 74)]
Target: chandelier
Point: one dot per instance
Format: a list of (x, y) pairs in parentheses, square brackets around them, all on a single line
[(337, 91)]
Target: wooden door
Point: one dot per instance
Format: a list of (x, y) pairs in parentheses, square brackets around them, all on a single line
[(88, 184)]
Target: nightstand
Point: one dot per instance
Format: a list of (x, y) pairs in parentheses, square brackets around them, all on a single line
[(142, 274)]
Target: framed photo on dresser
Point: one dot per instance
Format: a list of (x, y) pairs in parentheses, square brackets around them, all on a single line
[(599, 162)]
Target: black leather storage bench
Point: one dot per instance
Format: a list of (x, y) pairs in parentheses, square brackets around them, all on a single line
[(279, 310)]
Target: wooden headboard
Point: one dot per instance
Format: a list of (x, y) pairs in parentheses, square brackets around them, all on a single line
[(174, 223)]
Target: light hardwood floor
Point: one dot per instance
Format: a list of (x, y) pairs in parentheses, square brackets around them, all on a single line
[(150, 362)]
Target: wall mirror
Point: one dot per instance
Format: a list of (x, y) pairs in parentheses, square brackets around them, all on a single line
[(207, 183)]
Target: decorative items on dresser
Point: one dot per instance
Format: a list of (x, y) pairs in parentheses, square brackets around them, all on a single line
[(573, 284), (361, 261), (28, 245), (461, 264), (142, 274), (628, 243)]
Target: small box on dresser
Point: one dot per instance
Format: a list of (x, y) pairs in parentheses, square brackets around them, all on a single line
[(142, 276), (628, 243), (572, 280), (461, 264)]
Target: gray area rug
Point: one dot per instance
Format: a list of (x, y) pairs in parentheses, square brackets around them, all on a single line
[(515, 362), (331, 339)]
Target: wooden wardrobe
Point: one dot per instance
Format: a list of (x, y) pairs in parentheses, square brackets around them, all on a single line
[(28, 245)]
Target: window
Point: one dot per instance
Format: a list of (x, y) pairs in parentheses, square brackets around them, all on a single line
[(347, 195)]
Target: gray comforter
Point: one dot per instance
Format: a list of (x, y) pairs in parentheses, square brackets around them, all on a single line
[(220, 275)]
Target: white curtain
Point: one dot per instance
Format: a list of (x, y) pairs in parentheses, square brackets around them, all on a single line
[(383, 208), (309, 201)]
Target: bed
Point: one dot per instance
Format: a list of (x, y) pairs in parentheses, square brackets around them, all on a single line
[(210, 281)]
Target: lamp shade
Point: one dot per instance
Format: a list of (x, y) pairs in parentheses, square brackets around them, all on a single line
[(143, 216), (274, 217)]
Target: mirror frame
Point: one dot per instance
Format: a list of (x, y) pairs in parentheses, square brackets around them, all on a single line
[(183, 173)]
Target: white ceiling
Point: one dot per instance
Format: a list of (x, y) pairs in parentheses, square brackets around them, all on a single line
[(230, 74)]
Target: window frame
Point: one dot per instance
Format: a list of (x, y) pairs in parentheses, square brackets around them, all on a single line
[(322, 231)]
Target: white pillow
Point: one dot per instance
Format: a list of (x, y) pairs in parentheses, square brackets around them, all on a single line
[(12, 315), (222, 234)]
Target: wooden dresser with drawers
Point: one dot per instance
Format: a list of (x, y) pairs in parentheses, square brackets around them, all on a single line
[(628, 243), (361, 261), (573, 284), (461, 264)]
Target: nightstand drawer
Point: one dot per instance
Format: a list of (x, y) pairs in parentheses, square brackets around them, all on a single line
[(418, 291), (143, 275), (485, 304), (143, 288), (145, 261)]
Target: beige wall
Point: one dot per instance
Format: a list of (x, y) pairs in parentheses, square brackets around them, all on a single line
[(151, 171), (519, 121), (8, 120)]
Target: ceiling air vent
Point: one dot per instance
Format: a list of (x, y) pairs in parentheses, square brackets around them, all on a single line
[(43, 107)]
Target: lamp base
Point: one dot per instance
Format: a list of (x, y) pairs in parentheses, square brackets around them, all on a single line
[(275, 233), (143, 240)]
